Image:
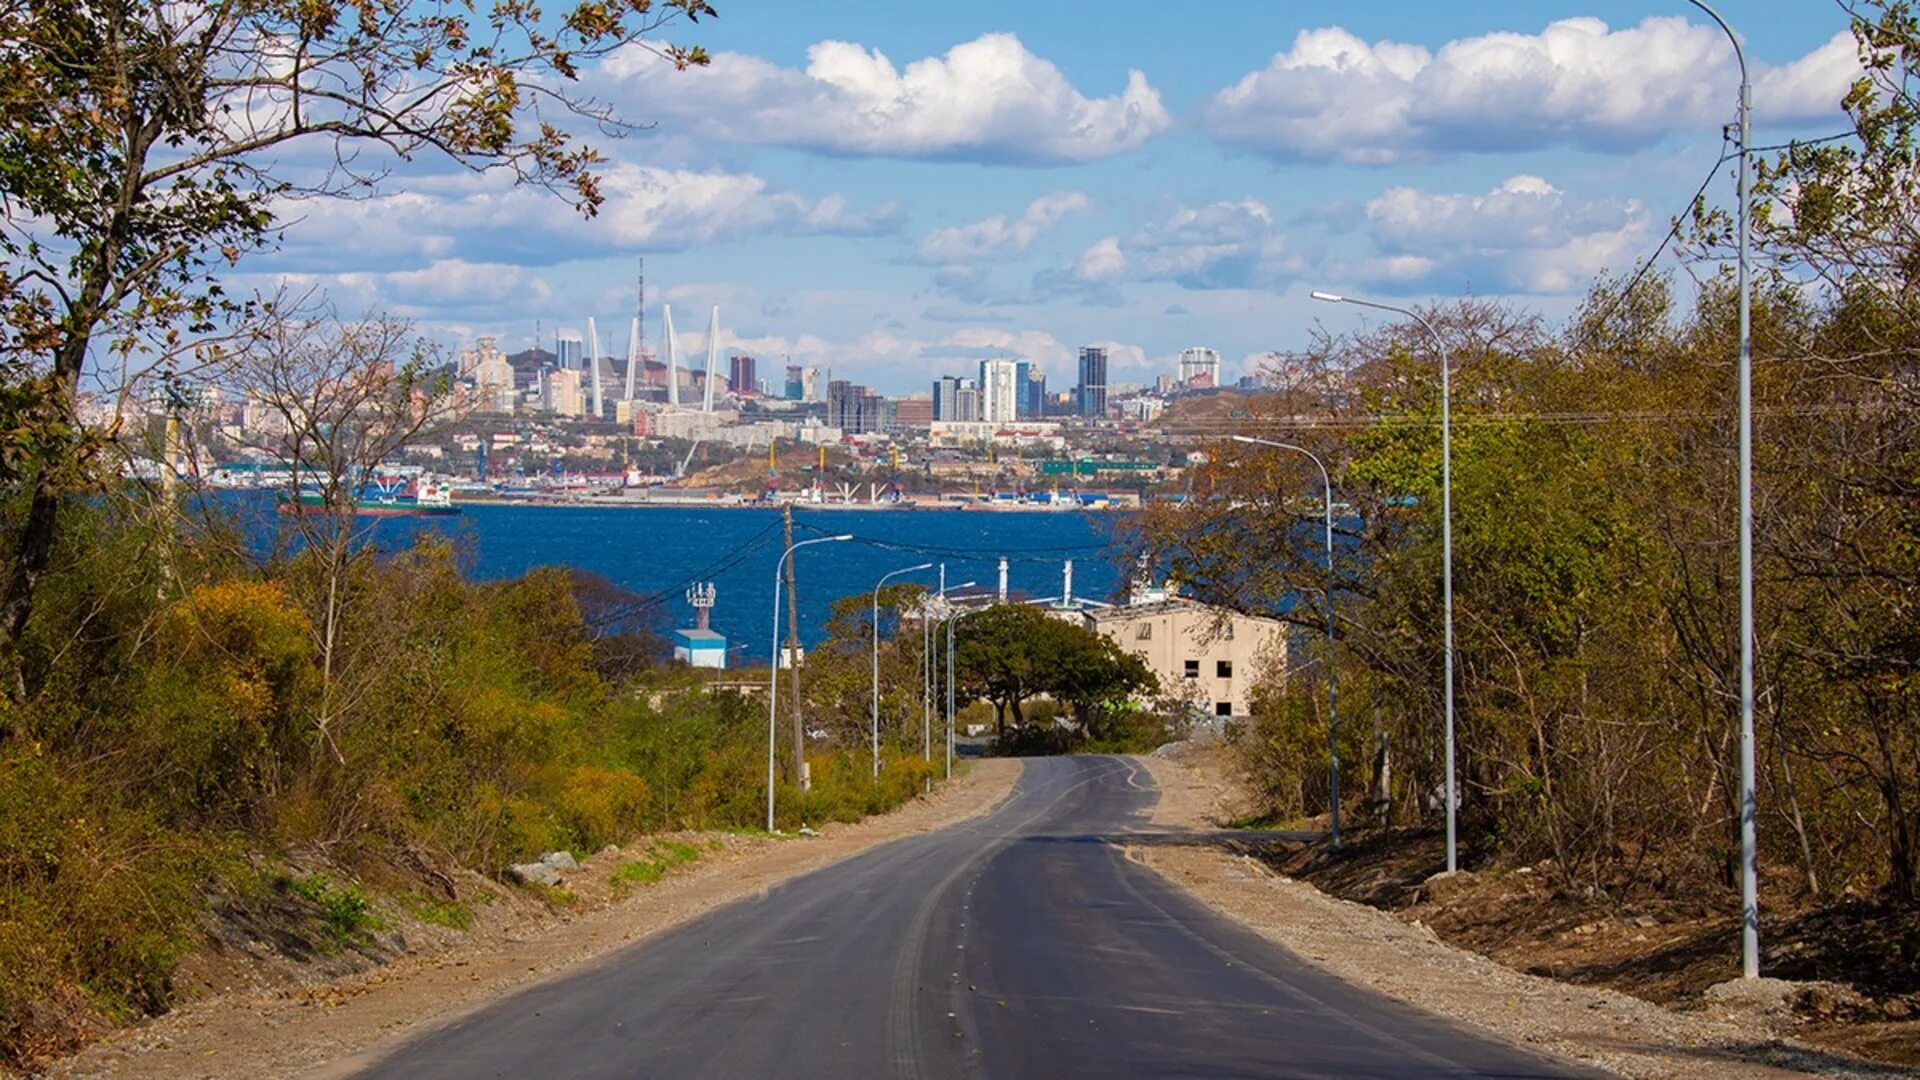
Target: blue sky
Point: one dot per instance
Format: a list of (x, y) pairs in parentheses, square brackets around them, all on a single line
[(891, 189)]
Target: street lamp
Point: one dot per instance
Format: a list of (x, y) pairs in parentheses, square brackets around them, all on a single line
[(930, 669), (1446, 540), (876, 656), (773, 673), (1333, 722), (1749, 805), (953, 616)]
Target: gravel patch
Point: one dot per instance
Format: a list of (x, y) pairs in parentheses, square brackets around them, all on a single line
[(1369, 947)]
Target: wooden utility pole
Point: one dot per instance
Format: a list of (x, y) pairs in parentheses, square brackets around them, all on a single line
[(793, 665)]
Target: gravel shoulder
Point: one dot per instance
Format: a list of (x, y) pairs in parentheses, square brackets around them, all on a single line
[(1372, 948), (336, 1027)]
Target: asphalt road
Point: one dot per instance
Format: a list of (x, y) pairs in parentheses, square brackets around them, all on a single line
[(1020, 944)]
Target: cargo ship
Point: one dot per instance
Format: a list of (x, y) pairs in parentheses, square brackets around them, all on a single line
[(404, 497)]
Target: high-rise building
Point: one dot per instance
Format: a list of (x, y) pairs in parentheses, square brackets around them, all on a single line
[(560, 392), (854, 409), (1034, 391), (740, 374), (812, 387), (492, 378), (966, 403), (875, 413), (999, 393), (840, 405), (1092, 391), (945, 393), (796, 384), (1199, 367), (569, 352), (1022, 375)]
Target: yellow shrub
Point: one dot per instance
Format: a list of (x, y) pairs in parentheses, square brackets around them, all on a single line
[(602, 805)]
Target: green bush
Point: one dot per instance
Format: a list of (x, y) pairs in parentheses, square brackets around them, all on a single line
[(347, 911), (188, 716)]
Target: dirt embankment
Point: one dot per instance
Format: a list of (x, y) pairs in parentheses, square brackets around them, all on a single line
[(1744, 1031), (320, 1019)]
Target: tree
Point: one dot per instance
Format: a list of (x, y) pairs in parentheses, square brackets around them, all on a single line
[(1012, 652), (344, 398), (145, 144)]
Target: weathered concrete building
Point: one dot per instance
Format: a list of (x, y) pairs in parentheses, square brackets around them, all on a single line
[(1204, 654)]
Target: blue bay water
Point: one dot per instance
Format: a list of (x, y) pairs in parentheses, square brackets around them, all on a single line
[(661, 550)]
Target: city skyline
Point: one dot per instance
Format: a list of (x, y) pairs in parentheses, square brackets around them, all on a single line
[(1108, 194)]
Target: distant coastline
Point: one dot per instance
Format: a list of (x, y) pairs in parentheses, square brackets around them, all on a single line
[(699, 503)]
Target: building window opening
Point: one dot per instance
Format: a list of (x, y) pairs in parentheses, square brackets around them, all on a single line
[(1223, 668), (1193, 669), (1223, 708), (1144, 632)]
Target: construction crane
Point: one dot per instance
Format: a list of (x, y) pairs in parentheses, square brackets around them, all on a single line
[(686, 461)]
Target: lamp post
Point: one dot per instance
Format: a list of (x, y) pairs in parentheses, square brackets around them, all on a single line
[(1749, 805), (932, 669), (953, 616), (1446, 541), (876, 656), (1333, 722), (773, 673)]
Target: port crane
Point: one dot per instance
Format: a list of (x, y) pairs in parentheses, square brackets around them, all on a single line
[(681, 472)]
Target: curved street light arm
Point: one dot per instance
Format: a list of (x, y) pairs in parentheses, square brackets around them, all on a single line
[(1446, 540), (1333, 714), (876, 655), (1749, 802)]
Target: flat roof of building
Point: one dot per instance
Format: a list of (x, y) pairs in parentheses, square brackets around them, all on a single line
[(1123, 612)]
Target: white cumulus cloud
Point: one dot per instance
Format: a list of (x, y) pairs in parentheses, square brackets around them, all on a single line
[(988, 99), (1000, 236), (1523, 236), (1333, 96), (1219, 245), (489, 219)]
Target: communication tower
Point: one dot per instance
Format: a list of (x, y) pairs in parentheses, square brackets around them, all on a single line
[(700, 598)]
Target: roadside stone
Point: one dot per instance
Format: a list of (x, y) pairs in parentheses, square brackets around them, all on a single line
[(560, 860), (1768, 1002), (536, 873), (1446, 885)]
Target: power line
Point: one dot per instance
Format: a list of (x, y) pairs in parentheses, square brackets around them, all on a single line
[(1339, 423), (1792, 144), (720, 566), (1672, 231)]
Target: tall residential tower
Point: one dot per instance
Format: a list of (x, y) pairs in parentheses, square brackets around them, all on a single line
[(1092, 394)]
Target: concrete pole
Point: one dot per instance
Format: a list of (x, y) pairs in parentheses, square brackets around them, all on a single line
[(1749, 802), (773, 669)]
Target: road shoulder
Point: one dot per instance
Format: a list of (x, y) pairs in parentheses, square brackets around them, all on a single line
[(352, 1021), (1372, 948)]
